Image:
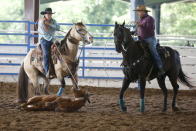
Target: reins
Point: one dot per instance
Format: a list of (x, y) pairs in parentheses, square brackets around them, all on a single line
[(137, 61)]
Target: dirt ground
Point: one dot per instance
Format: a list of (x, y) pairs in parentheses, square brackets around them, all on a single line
[(103, 114)]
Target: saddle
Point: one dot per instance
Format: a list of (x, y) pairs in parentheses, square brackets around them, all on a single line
[(163, 52), (37, 58)]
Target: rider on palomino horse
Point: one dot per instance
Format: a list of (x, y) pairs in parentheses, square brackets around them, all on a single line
[(47, 27)]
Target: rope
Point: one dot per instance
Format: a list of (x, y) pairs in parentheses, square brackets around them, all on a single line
[(66, 63), (67, 67)]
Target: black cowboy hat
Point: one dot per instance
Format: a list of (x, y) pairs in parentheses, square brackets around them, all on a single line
[(47, 11)]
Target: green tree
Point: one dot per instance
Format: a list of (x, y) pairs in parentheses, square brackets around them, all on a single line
[(105, 12), (178, 19), (12, 10)]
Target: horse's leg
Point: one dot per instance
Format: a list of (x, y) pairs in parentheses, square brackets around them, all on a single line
[(161, 82), (142, 92), (36, 87), (75, 81), (175, 85), (125, 85), (62, 86), (46, 85)]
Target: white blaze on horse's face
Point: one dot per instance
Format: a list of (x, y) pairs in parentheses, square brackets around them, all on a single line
[(82, 34), (89, 38)]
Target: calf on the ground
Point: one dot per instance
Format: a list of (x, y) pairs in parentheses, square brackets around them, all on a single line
[(57, 103)]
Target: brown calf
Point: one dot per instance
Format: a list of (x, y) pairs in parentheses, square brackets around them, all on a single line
[(57, 103)]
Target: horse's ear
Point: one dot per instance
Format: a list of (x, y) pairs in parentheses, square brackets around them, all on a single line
[(116, 23), (73, 22), (123, 23), (132, 32)]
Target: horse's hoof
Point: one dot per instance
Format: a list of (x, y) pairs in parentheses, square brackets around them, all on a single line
[(47, 93), (175, 109), (20, 101), (122, 105), (142, 110), (37, 94), (164, 110), (123, 109), (57, 110), (142, 105)]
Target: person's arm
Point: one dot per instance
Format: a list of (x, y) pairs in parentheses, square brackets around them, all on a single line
[(54, 25), (147, 23), (42, 27)]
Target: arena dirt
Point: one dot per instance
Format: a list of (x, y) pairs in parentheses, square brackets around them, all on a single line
[(103, 113)]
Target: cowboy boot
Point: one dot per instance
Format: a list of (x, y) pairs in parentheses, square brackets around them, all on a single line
[(161, 72)]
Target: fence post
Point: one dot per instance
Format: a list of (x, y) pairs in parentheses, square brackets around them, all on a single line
[(29, 36), (83, 62)]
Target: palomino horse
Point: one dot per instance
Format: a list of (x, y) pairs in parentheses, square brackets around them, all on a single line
[(66, 64)]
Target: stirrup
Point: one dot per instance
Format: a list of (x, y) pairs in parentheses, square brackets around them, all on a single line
[(50, 76), (161, 72)]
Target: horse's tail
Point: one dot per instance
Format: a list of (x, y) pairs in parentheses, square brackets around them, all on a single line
[(22, 86), (184, 79)]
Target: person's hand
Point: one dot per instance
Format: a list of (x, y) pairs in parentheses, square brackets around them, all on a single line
[(138, 23), (46, 22)]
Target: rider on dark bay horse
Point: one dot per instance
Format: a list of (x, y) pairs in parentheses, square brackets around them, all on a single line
[(146, 32), (46, 28)]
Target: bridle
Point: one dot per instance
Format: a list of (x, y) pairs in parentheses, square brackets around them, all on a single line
[(125, 50), (82, 33), (123, 42)]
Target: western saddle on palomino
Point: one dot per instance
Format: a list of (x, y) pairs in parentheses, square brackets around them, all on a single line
[(56, 52)]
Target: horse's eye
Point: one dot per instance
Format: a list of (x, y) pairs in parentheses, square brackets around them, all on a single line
[(82, 31)]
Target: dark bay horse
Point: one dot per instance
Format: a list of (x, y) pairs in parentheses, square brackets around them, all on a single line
[(138, 65)]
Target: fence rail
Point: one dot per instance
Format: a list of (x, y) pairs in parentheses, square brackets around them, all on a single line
[(86, 59)]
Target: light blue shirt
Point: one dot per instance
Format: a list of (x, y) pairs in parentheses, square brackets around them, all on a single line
[(48, 34)]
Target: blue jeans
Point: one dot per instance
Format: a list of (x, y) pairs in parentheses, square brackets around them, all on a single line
[(152, 44), (46, 47)]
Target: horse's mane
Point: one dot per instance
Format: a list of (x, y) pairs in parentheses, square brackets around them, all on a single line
[(80, 24), (65, 38), (63, 41), (128, 31)]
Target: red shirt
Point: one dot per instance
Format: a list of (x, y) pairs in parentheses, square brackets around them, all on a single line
[(147, 27)]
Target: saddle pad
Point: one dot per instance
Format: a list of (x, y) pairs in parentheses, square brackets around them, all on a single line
[(163, 52), (37, 56)]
